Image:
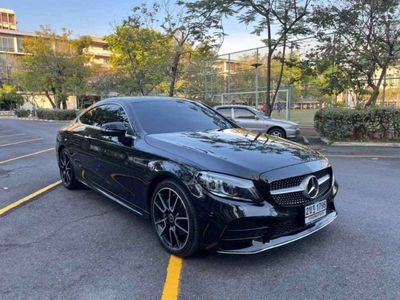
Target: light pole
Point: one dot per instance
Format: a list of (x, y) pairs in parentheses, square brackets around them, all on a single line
[(256, 65)]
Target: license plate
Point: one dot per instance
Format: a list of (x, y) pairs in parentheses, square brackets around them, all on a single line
[(314, 211)]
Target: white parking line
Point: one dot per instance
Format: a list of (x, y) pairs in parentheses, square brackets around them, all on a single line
[(24, 156), (20, 142)]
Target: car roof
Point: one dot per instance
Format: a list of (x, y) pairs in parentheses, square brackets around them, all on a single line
[(232, 105), (125, 100)]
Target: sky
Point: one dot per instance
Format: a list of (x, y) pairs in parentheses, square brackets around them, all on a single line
[(97, 17)]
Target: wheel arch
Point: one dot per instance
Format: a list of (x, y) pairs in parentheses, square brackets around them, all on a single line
[(277, 127), (184, 176)]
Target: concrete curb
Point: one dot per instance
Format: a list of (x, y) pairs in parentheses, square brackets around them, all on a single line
[(36, 120), (360, 144)]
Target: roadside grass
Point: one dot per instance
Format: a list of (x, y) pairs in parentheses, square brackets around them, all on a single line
[(304, 117)]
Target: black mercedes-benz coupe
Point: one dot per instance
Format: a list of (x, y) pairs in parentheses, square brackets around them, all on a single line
[(205, 183)]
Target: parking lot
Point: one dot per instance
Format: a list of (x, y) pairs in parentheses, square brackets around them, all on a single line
[(79, 245)]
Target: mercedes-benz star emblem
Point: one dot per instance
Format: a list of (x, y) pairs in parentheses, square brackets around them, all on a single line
[(311, 186)]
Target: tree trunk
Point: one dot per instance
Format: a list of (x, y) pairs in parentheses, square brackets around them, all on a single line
[(278, 84), (174, 73), (50, 100), (372, 100), (268, 110)]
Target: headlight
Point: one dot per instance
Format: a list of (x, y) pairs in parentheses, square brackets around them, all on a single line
[(294, 126), (228, 186)]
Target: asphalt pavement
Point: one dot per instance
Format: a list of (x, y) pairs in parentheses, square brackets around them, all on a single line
[(79, 245)]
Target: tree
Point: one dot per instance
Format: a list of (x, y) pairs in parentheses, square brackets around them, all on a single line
[(141, 55), (366, 40), (54, 65), (280, 19), (187, 32), (9, 97)]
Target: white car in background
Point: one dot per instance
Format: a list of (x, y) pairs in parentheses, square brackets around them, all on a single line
[(252, 119)]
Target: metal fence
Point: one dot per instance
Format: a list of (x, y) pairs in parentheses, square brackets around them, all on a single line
[(240, 77)]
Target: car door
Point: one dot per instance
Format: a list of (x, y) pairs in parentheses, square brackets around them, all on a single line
[(86, 146), (110, 151), (247, 119)]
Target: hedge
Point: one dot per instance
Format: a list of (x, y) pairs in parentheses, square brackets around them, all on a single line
[(57, 114), (372, 124), (23, 113)]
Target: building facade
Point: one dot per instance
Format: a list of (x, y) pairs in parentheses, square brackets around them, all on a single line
[(8, 19), (11, 47)]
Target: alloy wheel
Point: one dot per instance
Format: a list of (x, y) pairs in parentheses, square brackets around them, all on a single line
[(65, 168), (171, 220)]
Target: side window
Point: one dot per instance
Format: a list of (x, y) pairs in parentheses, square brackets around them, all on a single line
[(88, 117), (226, 112), (110, 113), (242, 113), (100, 115)]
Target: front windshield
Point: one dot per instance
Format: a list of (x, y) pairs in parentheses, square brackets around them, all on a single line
[(166, 116)]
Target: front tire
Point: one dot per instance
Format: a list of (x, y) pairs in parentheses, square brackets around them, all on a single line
[(174, 219), (67, 173), (279, 132)]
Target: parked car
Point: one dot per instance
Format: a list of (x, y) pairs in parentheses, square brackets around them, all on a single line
[(252, 119), (204, 183)]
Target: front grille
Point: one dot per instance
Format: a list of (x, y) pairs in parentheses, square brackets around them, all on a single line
[(297, 198)]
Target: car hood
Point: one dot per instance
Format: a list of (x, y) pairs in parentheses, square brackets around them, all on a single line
[(232, 151)]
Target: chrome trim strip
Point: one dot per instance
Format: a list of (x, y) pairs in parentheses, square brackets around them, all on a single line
[(258, 247), (323, 179), (298, 188)]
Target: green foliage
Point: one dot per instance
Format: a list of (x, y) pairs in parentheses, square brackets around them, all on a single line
[(55, 65), (340, 124), (56, 114), (365, 42), (9, 97), (23, 113), (141, 55), (275, 21)]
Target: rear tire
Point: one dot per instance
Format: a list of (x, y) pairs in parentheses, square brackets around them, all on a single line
[(174, 219), (279, 132), (67, 173)]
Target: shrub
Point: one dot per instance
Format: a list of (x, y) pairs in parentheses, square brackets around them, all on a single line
[(23, 113), (56, 114), (369, 124)]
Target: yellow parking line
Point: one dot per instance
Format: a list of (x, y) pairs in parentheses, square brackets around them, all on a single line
[(26, 155), (13, 205), (11, 135), (20, 142), (172, 281)]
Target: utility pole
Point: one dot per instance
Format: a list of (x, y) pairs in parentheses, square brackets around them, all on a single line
[(256, 65)]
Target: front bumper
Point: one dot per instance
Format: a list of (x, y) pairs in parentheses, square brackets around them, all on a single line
[(292, 133), (235, 227), (258, 247)]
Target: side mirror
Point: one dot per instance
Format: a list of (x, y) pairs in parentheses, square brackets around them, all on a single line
[(256, 117), (114, 128)]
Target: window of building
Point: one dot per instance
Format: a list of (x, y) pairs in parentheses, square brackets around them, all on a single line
[(20, 46), (7, 44)]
